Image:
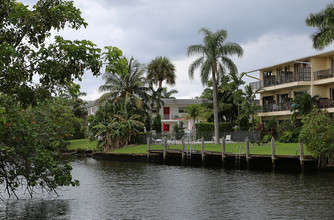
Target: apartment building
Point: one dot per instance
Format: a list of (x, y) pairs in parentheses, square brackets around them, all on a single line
[(172, 113), (281, 83)]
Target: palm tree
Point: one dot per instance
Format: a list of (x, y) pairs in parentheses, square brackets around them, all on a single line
[(194, 111), (168, 94), (130, 87), (303, 104), (324, 21), (214, 58), (250, 109), (161, 69)]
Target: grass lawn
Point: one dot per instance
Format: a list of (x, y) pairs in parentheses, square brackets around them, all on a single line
[(82, 144), (280, 148)]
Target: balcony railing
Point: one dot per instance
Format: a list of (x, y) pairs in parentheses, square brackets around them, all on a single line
[(256, 85), (326, 103), (171, 116), (323, 74), (274, 107), (285, 77)]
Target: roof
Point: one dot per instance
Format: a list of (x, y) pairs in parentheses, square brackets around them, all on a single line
[(299, 59), (184, 101), (94, 103), (91, 104)]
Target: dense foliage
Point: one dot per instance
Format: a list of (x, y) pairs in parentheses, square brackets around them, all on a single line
[(33, 124), (115, 124), (318, 134), (30, 141)]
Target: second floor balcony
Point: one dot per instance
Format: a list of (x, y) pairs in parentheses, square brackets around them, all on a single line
[(172, 116), (273, 107), (284, 77), (323, 103), (323, 74)]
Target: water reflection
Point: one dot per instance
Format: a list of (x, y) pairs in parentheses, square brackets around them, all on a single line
[(34, 209), (129, 190)]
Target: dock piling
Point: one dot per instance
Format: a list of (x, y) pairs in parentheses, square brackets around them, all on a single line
[(183, 149), (247, 152), (202, 151), (148, 149), (165, 148), (273, 153), (301, 155), (223, 150)]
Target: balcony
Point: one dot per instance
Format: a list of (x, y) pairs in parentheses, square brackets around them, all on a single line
[(326, 103), (285, 77), (323, 74), (171, 116), (274, 107)]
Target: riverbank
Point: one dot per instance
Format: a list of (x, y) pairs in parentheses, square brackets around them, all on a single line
[(281, 148), (235, 155)]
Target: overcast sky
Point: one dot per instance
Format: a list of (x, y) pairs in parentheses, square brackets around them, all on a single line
[(270, 32)]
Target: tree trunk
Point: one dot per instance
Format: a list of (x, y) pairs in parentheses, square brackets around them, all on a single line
[(159, 98), (215, 107)]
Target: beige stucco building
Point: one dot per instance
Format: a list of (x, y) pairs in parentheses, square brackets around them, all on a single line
[(281, 83)]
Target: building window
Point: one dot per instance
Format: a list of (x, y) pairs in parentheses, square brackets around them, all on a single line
[(332, 93), (154, 110), (181, 110)]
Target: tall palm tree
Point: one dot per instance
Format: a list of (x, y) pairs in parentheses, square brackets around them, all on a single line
[(324, 21), (214, 58), (130, 87), (161, 69)]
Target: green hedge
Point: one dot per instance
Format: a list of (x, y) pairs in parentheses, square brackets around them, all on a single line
[(207, 129)]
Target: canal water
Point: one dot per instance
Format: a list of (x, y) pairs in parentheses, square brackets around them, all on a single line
[(131, 190)]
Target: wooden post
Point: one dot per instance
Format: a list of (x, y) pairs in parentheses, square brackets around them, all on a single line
[(223, 150), (148, 149), (247, 151), (273, 153), (165, 148), (183, 149), (202, 151), (301, 155)]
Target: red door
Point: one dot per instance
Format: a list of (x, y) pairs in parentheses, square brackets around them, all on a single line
[(165, 127), (166, 113)]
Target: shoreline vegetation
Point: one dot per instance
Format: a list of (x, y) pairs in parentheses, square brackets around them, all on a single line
[(280, 148)]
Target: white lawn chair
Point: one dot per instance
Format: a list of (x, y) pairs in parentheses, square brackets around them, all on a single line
[(228, 138)]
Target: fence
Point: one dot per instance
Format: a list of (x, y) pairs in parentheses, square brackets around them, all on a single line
[(175, 138)]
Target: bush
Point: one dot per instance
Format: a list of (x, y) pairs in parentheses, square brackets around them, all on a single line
[(157, 124), (288, 131), (267, 138), (178, 131), (318, 134)]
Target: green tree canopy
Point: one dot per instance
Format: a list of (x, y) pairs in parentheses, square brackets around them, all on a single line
[(161, 69), (324, 22), (129, 86), (318, 134), (24, 53), (33, 124)]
